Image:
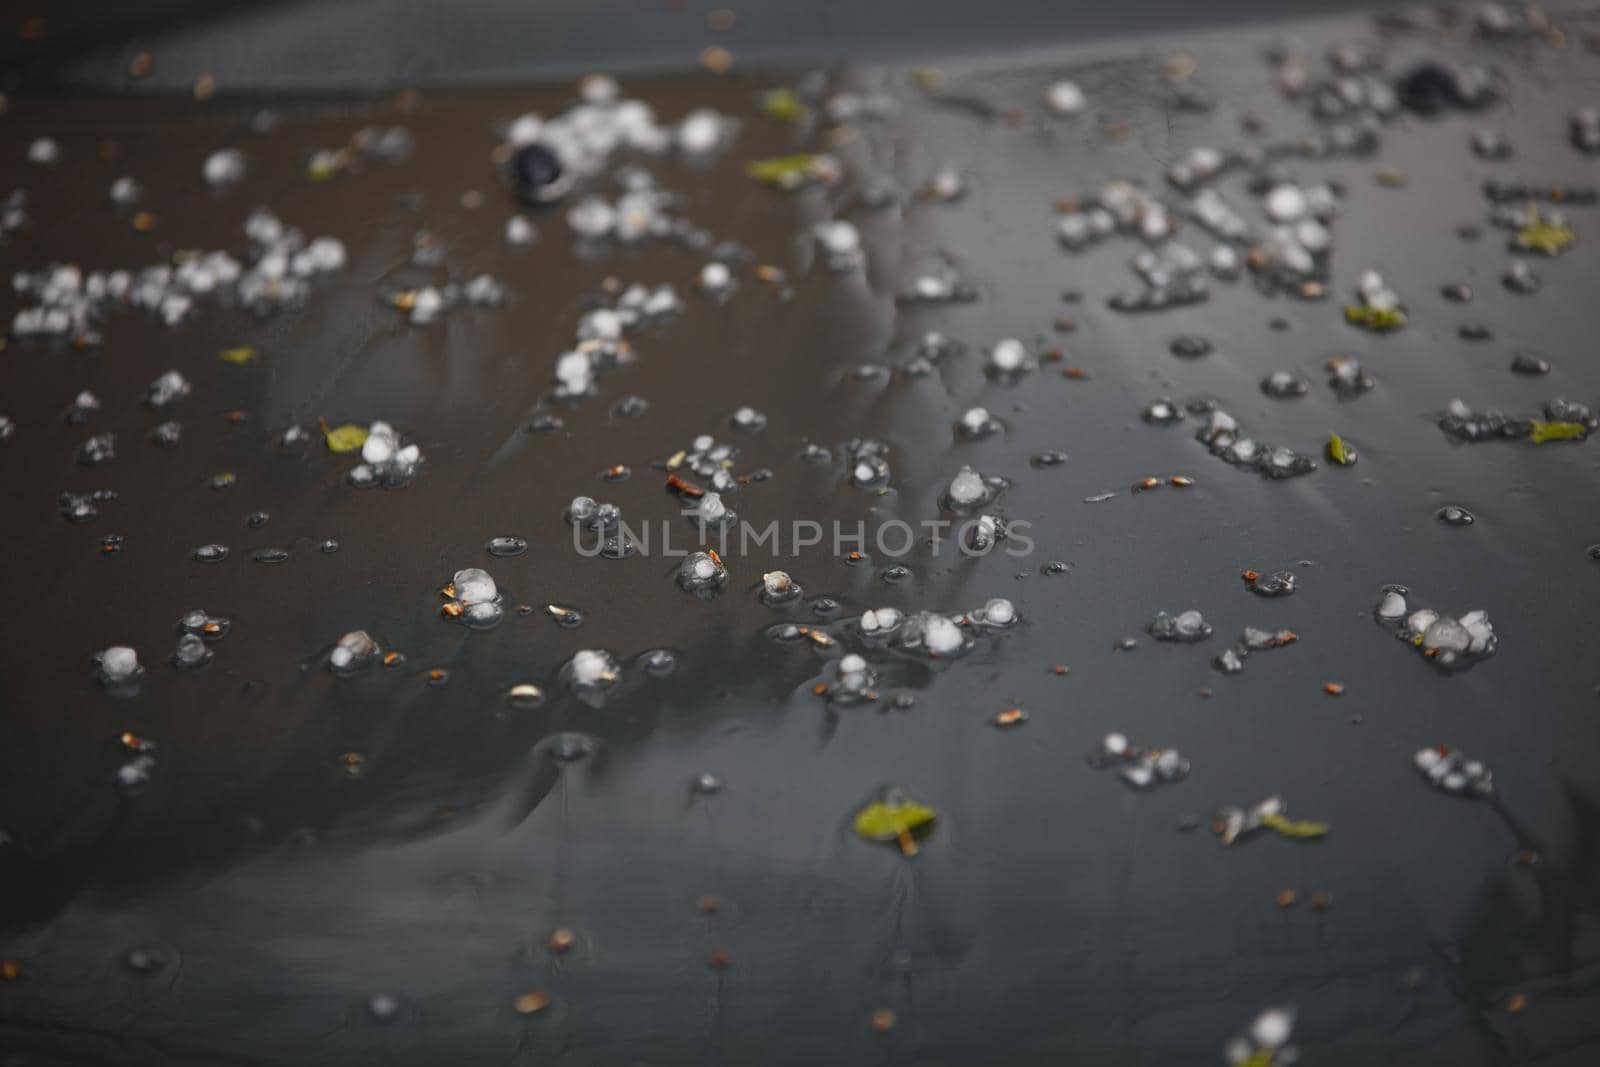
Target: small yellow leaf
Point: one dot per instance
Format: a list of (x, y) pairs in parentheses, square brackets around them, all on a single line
[(238, 356), (346, 438), (1303, 829), (892, 818)]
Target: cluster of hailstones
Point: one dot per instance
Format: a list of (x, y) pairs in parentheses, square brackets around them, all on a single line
[(601, 338), (67, 304), (1451, 643)]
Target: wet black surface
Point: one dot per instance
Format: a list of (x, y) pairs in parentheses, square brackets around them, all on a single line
[(1053, 914)]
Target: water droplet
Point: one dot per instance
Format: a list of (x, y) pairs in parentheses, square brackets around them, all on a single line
[(271, 555), (660, 662), (256, 519), (210, 553), (507, 546), (1454, 515)]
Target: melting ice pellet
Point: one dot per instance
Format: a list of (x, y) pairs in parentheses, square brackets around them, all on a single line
[(1187, 626)]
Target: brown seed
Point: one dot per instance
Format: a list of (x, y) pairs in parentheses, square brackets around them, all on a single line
[(144, 222), (1527, 859), (1286, 898), (10, 970), (1060, 669), (716, 59), (561, 939), (391, 658), (352, 759), (1516, 1003), (436, 675), (140, 65), (1320, 901), (1250, 576), (719, 959), (1180, 481), (707, 905), (131, 742), (820, 689), (1076, 373), (882, 1020), (1011, 717), (532, 1003), (1333, 689), (452, 609), (205, 86)]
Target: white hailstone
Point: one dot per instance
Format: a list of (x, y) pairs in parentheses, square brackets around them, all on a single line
[(967, 487), (599, 89), (592, 217), (119, 663), (999, 611), (748, 418), (1115, 744), (44, 151), (838, 238), (1272, 1028), (1313, 236), (700, 132), (520, 232), (378, 448), (125, 191), (326, 253), (601, 324), (705, 568), (426, 306), (524, 129), (1393, 606), (776, 583), (575, 372), (474, 586), (408, 457), (946, 184), (1419, 621), (352, 650), (879, 619), (1375, 293), (975, 420), (224, 166), (1427, 759), (711, 508), (852, 664), (1285, 203), (864, 472), (1065, 98), (941, 635), (592, 667), (715, 277), (1008, 355)]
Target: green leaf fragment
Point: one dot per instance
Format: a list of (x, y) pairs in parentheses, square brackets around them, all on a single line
[(346, 438), (893, 820), (1371, 318), (237, 356), (784, 171), (782, 105), (1299, 829), (1339, 452), (1540, 236), (1557, 431)]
